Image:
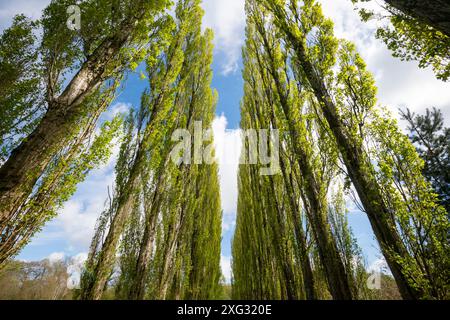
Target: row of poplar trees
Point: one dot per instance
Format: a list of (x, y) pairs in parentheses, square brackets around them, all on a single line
[(159, 236), (292, 237)]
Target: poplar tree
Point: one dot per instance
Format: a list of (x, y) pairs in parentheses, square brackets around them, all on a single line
[(417, 30), (272, 100), (64, 83), (380, 162), (162, 212)]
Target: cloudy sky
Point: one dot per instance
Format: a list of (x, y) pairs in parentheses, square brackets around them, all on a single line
[(401, 84)]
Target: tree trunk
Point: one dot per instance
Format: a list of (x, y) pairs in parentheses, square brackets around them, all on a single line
[(105, 263), (137, 291), (300, 237), (365, 184), (28, 161), (317, 212), (435, 13)]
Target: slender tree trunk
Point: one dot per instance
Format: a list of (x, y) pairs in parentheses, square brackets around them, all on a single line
[(366, 187), (166, 273), (435, 13), (165, 276), (308, 278), (365, 184), (138, 288), (315, 208), (106, 260), (28, 161), (137, 291), (287, 266), (287, 269)]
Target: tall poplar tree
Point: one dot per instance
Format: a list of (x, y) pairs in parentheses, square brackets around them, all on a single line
[(64, 82), (417, 30), (381, 163), (432, 141), (434, 13)]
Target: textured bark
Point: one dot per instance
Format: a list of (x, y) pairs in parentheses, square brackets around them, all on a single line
[(365, 184), (137, 291), (332, 263), (308, 278), (107, 257), (435, 13), (287, 266), (167, 273), (28, 161)]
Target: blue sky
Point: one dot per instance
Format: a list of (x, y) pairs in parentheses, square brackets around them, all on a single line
[(400, 84)]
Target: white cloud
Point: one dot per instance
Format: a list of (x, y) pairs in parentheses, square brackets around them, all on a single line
[(227, 20), (379, 265), (225, 264), (116, 109), (56, 257), (77, 220), (229, 221), (228, 149), (79, 215)]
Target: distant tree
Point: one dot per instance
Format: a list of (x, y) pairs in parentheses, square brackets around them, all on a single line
[(41, 280), (270, 239), (432, 141)]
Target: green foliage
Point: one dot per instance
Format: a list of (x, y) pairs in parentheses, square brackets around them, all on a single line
[(88, 152), (411, 39), (57, 82), (20, 84), (382, 164)]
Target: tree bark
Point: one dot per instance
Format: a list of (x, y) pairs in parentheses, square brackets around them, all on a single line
[(308, 277), (365, 184), (435, 13), (105, 263), (337, 278), (28, 161)]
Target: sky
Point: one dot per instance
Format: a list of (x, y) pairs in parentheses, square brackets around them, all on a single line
[(400, 84)]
